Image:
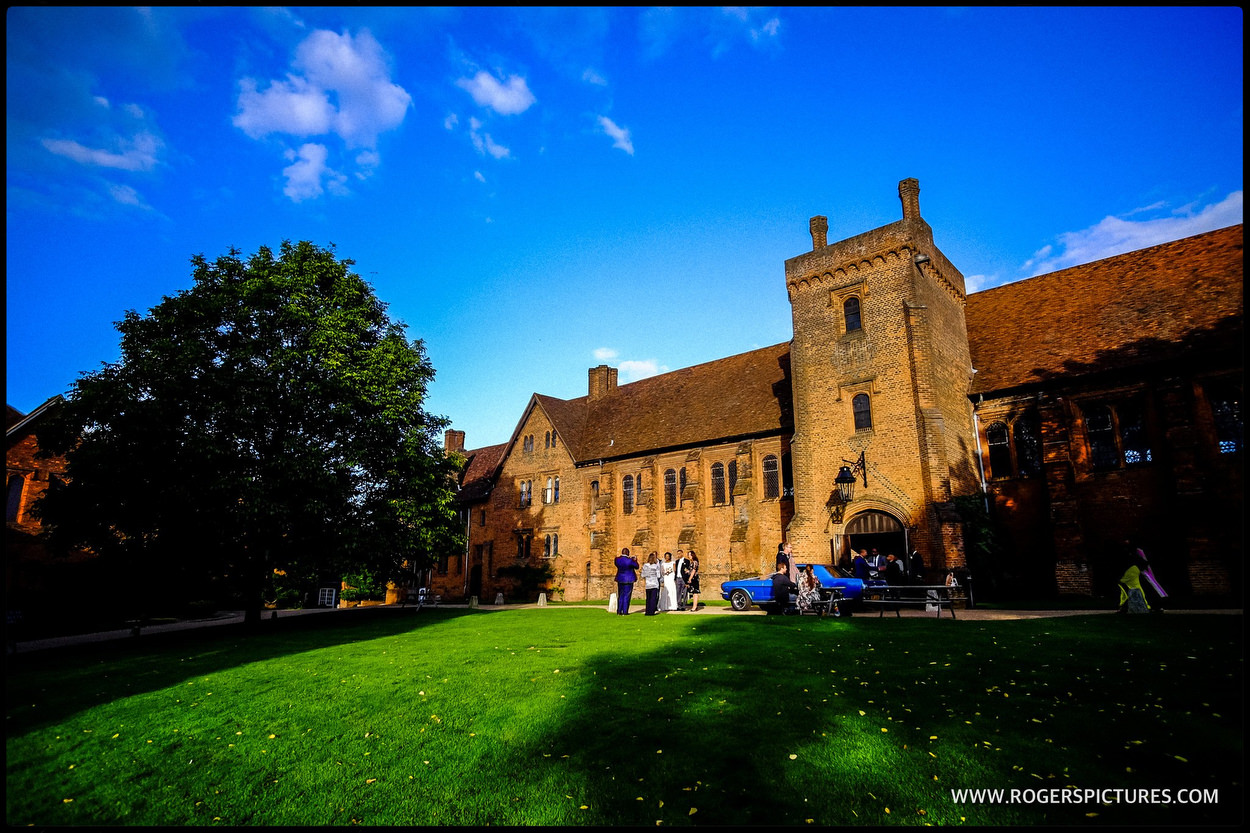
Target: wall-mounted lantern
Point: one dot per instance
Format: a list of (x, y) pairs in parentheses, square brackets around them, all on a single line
[(844, 487)]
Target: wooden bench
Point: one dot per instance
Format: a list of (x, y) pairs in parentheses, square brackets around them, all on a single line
[(909, 595)]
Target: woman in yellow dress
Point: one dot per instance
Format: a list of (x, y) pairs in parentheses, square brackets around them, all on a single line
[(1132, 597)]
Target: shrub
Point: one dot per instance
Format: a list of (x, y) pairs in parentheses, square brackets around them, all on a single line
[(363, 586)]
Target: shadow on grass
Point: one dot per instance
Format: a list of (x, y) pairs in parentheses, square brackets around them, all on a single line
[(731, 720), (76, 677), (765, 721)]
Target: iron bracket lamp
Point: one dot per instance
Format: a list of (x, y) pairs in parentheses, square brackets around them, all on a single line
[(844, 487)]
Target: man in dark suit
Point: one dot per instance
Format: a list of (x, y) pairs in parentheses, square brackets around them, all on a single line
[(626, 576)]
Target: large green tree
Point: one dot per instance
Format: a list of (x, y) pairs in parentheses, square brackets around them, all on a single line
[(269, 417)]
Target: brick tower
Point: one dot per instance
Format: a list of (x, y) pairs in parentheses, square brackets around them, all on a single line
[(880, 366)]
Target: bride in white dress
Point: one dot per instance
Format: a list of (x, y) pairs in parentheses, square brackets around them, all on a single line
[(668, 583)]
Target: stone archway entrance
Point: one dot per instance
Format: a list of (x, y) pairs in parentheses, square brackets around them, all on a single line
[(877, 529)]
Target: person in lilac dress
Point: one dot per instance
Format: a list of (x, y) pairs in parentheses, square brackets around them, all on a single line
[(651, 578)]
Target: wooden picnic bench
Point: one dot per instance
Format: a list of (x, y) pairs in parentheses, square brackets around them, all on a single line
[(899, 596)]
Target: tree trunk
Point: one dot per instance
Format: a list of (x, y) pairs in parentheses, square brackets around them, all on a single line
[(254, 589)]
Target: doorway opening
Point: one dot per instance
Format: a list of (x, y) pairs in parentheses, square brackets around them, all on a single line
[(876, 530)]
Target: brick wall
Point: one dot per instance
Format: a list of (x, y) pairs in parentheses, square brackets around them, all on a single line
[(735, 538), (35, 473)]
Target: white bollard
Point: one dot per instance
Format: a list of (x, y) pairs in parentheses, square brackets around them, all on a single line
[(499, 598), (473, 601), (542, 599), (612, 603)]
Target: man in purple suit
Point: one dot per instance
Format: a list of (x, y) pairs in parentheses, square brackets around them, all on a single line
[(626, 575)]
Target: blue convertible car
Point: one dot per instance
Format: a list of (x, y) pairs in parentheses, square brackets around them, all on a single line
[(743, 593)]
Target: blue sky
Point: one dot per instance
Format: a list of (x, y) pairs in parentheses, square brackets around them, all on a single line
[(537, 191)]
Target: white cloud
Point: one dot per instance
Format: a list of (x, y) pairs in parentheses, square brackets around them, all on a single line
[(125, 195), (339, 85), (496, 150), (757, 33), (975, 283), (330, 67), (479, 176), (1115, 235), (138, 153), (485, 144), (451, 121), (505, 99), (294, 107), (619, 135), (604, 354), (631, 370), (308, 175), (591, 76)]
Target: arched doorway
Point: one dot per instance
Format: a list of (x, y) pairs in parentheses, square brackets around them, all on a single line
[(877, 529)]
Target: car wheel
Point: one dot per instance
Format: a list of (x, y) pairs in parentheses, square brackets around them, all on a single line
[(740, 600)]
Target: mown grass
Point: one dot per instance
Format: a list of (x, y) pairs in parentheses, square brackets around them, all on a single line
[(577, 717)]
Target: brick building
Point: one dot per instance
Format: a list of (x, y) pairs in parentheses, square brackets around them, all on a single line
[(27, 475), (1081, 407), (30, 571)]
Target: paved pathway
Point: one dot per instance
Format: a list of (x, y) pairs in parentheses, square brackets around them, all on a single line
[(236, 617)]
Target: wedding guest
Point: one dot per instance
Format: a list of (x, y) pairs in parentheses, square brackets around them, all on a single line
[(626, 576), (668, 583), (651, 584)]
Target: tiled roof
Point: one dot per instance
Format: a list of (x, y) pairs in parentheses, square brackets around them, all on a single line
[(478, 476), (1125, 310), (740, 396), (18, 427)]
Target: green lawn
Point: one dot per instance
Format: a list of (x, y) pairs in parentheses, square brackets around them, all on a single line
[(576, 717)]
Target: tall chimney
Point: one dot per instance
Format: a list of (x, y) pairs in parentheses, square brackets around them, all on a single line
[(820, 230), (453, 441), (602, 381), (909, 193)]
